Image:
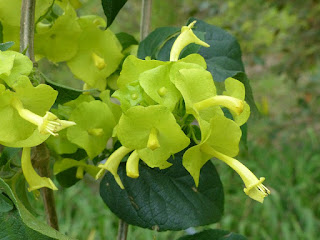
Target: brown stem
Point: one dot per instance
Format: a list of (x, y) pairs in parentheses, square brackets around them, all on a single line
[(145, 18), (122, 230), (41, 159), (27, 28)]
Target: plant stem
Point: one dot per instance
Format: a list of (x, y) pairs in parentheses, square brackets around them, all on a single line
[(41, 157), (145, 18), (41, 160), (122, 230), (27, 28)]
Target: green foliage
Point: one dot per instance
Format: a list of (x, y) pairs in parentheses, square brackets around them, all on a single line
[(111, 8), (19, 221), (214, 235), (165, 199)]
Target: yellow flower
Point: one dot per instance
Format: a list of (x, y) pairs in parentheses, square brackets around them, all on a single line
[(254, 187), (33, 179), (184, 39), (48, 124)]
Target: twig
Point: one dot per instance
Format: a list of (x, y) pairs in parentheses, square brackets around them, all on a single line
[(145, 18), (122, 230), (27, 28), (41, 160)]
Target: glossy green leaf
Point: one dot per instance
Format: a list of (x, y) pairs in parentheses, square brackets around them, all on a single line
[(21, 224), (126, 40), (95, 123), (65, 93), (224, 55), (68, 178), (111, 9), (165, 199), (214, 234)]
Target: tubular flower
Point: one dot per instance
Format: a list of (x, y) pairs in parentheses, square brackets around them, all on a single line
[(254, 187), (184, 39), (34, 180), (113, 163), (48, 124)]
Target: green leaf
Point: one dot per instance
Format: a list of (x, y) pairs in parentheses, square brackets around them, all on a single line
[(68, 177), (111, 9), (65, 93), (165, 199), (21, 224), (155, 40), (214, 234), (5, 46), (126, 40), (11, 155), (223, 57), (6, 204), (12, 228)]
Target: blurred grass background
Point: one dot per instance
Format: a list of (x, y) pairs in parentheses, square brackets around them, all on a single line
[(280, 44)]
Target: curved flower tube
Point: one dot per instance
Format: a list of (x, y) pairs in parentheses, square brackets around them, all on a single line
[(254, 187), (184, 39), (33, 179), (113, 163)]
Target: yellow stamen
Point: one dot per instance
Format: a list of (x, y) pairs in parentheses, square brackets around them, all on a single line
[(34, 180), (98, 61), (48, 124), (234, 104), (132, 166), (254, 187), (113, 163), (162, 91), (96, 132), (153, 142), (184, 39)]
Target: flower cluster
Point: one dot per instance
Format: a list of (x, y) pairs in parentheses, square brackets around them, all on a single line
[(165, 103)]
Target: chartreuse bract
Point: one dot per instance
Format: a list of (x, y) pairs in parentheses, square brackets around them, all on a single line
[(158, 99), (24, 111)]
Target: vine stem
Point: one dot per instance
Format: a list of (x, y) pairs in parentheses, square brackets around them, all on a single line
[(41, 157), (27, 28), (145, 18), (122, 230)]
